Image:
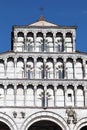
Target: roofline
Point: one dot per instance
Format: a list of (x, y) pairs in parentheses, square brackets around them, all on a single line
[(44, 27), (11, 51), (6, 52), (80, 52)]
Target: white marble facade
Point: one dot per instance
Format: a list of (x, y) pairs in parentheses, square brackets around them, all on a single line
[(43, 79)]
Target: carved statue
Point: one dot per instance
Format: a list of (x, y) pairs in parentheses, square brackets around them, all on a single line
[(71, 115)]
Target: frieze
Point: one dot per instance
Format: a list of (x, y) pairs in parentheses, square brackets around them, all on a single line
[(44, 55), (50, 81)]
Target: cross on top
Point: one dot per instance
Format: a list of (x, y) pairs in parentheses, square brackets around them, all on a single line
[(41, 9)]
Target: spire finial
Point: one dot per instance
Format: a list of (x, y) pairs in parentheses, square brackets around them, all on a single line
[(41, 18)]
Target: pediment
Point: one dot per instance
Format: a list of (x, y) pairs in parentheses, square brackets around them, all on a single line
[(42, 22)]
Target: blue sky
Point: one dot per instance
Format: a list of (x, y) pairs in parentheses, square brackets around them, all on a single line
[(24, 12)]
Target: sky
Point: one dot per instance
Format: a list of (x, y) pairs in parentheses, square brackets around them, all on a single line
[(60, 12)]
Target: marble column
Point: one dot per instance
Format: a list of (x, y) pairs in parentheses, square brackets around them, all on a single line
[(15, 92), (35, 95), (75, 95), (65, 96)]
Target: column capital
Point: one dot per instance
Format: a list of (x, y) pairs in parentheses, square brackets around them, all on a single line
[(25, 34), (15, 59), (55, 88), (44, 34), (64, 35), (25, 87), (35, 87), (5, 87), (75, 87), (54, 35), (25, 59), (64, 60), (15, 87), (34, 34), (5, 60), (35, 60), (54, 60), (45, 88), (65, 87), (84, 62), (44, 60), (74, 60)]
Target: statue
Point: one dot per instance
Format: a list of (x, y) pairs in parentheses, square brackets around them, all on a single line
[(71, 116)]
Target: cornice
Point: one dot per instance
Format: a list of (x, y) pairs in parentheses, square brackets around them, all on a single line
[(46, 82)]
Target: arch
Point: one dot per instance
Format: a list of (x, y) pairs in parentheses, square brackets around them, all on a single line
[(85, 71), (59, 42), (40, 68), (69, 59), (20, 41), (79, 69), (49, 68), (50, 96), (20, 34), (70, 95), (49, 42), (10, 67), (59, 69), (30, 68), (80, 96), (59, 59), (68, 42), (4, 126), (30, 59), (1, 89), (84, 127), (40, 59), (8, 121), (2, 70), (30, 95), (69, 68), (50, 116), (39, 42), (60, 96), (39, 95), (49, 34), (1, 95), (10, 89), (20, 95), (20, 89), (29, 42), (20, 68), (10, 95), (30, 34), (59, 34), (44, 124), (81, 123), (39, 34), (69, 34)]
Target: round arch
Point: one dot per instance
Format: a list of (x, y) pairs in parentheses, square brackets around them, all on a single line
[(46, 116), (8, 121), (44, 125), (80, 124), (84, 127)]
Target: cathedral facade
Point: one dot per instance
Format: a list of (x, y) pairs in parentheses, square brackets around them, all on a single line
[(43, 79)]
